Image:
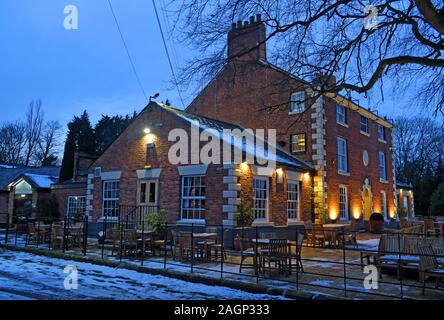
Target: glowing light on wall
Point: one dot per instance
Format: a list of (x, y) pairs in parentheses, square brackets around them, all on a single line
[(150, 138), (280, 175), (306, 176), (333, 215), (392, 214), (279, 171), (147, 130), (356, 213), (244, 166)]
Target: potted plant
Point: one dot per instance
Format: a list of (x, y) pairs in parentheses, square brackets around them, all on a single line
[(376, 222), (156, 222), (244, 218)]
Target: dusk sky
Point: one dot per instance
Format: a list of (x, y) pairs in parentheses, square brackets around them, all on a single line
[(73, 70)]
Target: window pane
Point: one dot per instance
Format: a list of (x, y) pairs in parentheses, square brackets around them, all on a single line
[(152, 194), (292, 200), (260, 198), (297, 102), (298, 142), (193, 197), (142, 193)]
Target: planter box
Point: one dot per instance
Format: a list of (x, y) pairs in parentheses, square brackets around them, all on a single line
[(376, 227)]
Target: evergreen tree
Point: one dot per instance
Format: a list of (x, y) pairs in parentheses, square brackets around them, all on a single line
[(66, 171), (437, 201)]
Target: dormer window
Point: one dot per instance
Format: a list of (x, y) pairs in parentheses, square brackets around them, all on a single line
[(297, 102)]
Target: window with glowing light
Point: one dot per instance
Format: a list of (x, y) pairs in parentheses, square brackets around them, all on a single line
[(297, 142), (260, 197), (193, 197), (293, 200), (343, 203), (76, 206)]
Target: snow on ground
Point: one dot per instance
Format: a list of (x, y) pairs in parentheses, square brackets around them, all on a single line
[(28, 276)]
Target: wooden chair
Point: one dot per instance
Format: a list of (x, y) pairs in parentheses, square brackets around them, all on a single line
[(34, 235), (163, 244), (130, 242), (187, 248), (318, 235), (429, 226), (404, 224), (428, 266), (369, 255), (349, 235), (57, 236), (297, 256), (277, 252), (246, 253), (218, 246)]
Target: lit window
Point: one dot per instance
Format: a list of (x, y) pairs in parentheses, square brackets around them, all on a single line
[(382, 167), (384, 205), (381, 132), (76, 206), (297, 102), (148, 195), (193, 197), (260, 198), (110, 198), (343, 203), (342, 156), (293, 200), (297, 142), (341, 114), (363, 125)]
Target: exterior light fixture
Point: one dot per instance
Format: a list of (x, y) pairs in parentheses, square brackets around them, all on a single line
[(280, 175), (147, 130), (279, 171), (356, 214), (306, 176), (244, 166), (333, 215)]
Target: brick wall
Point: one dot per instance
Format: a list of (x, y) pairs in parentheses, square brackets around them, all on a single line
[(62, 193)]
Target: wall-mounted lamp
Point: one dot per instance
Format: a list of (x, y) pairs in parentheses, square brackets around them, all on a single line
[(280, 175), (147, 130), (306, 176), (155, 96), (244, 166)]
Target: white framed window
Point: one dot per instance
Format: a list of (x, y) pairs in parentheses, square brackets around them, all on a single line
[(382, 167), (193, 197), (293, 200), (111, 190), (260, 197), (342, 156), (297, 102), (381, 132), (297, 142), (148, 192), (343, 203), (363, 125), (341, 114), (384, 205), (76, 206)]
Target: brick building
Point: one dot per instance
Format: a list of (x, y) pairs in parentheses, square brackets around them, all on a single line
[(136, 170), (349, 145)]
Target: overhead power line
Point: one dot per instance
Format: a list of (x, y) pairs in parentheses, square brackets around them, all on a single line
[(167, 53), (127, 51)]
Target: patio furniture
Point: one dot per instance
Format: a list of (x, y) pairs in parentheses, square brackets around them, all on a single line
[(186, 248), (439, 227), (333, 233), (113, 235), (218, 246), (267, 235), (349, 235), (297, 255), (277, 252), (429, 227), (57, 236), (130, 242), (34, 234), (369, 255), (246, 253), (317, 235), (404, 224), (163, 244), (202, 241), (428, 266)]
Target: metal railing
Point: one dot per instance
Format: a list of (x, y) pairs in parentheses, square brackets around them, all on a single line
[(330, 264)]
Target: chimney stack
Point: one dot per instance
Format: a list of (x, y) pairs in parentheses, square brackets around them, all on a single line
[(244, 36), (324, 81)]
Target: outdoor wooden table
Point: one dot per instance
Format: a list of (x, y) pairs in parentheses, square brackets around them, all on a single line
[(206, 237), (440, 226), (257, 243), (332, 231)]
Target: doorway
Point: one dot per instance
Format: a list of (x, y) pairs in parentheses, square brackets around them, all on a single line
[(148, 193)]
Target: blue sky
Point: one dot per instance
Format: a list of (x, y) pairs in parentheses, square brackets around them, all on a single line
[(73, 70)]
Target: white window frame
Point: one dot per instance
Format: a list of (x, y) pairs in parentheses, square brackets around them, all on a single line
[(382, 166), (344, 213), (342, 157), (293, 201), (201, 210), (77, 199), (384, 209), (297, 102), (266, 199), (340, 115), (147, 182), (292, 143), (381, 131), (116, 199), (366, 124)]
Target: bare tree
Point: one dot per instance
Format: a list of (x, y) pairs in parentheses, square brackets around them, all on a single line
[(34, 122), (12, 142), (330, 37), (48, 143)]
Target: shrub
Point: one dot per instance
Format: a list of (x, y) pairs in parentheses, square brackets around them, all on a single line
[(245, 215), (437, 201), (48, 207), (376, 216), (156, 221)]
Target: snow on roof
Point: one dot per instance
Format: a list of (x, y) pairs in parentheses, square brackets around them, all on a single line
[(7, 166), (257, 150), (41, 181)]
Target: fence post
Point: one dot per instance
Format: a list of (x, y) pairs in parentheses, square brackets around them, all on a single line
[(65, 224), (50, 236), (85, 234), (121, 237), (399, 266), (7, 228), (165, 243), (256, 261), (142, 217), (104, 234), (344, 264), (222, 249), (38, 234), (192, 247), (27, 231), (297, 259)]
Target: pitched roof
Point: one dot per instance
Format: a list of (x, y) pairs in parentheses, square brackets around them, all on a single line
[(38, 176), (282, 157)]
